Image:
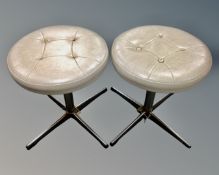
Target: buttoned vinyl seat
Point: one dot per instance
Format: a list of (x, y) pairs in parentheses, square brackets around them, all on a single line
[(57, 59), (158, 59), (161, 58)]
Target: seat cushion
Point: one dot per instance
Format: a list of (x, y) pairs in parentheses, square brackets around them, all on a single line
[(57, 59), (161, 58)]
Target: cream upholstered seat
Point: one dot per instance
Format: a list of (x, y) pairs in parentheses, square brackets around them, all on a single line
[(158, 59), (57, 59), (161, 58)]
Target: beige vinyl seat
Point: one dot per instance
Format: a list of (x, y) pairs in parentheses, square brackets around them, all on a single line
[(159, 59), (59, 60)]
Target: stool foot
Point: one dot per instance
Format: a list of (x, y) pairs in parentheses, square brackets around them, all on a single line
[(127, 129), (89, 129), (46, 132), (131, 101), (163, 125)]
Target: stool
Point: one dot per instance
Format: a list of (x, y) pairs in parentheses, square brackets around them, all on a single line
[(158, 59), (59, 60)]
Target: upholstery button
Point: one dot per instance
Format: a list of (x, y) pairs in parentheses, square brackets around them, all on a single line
[(138, 49), (161, 60), (182, 48), (160, 35), (45, 40), (74, 56)]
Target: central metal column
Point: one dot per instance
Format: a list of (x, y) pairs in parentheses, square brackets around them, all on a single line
[(69, 102), (149, 101)]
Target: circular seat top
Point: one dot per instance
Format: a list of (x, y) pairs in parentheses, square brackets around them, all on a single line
[(57, 59), (161, 58)]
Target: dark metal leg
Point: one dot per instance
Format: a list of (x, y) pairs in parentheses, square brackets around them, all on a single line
[(127, 129), (160, 123), (57, 102), (162, 100), (135, 104), (89, 129), (46, 132), (88, 101)]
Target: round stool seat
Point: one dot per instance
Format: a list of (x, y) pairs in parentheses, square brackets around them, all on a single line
[(161, 58), (57, 59)]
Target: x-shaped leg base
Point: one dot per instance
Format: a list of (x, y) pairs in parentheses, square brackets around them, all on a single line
[(146, 112), (71, 112)]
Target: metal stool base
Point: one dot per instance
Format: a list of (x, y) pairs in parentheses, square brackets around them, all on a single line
[(146, 112), (70, 112)]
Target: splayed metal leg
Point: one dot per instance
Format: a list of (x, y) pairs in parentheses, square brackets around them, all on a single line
[(127, 129), (46, 132), (164, 126), (89, 129)]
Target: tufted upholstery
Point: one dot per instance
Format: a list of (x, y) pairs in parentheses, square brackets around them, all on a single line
[(57, 59), (161, 58)]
